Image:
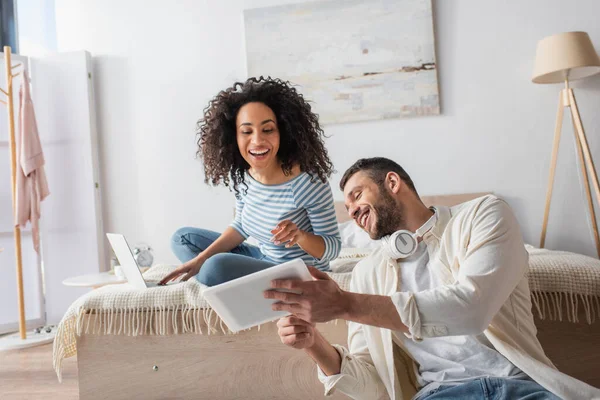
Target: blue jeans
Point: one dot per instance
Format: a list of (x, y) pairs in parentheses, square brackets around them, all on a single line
[(243, 260), (491, 388)]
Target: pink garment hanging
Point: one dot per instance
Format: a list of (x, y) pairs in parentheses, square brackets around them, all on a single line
[(32, 186)]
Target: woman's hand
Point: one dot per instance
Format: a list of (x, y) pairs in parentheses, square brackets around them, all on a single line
[(287, 231), (296, 332), (188, 269)]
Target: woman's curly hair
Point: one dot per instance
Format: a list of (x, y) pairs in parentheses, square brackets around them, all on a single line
[(301, 136)]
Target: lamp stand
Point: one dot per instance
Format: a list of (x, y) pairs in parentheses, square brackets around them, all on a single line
[(567, 99)]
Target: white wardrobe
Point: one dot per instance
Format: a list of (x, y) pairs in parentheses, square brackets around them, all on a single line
[(72, 237)]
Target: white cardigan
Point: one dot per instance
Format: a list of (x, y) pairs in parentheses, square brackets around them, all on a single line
[(477, 249)]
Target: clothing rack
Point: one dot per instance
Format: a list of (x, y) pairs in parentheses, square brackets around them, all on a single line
[(13, 169)]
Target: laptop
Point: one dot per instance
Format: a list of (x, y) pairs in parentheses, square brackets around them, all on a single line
[(128, 265)]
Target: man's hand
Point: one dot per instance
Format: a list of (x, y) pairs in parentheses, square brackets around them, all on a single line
[(320, 300), (295, 332)]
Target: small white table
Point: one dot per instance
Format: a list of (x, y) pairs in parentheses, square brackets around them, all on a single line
[(94, 280)]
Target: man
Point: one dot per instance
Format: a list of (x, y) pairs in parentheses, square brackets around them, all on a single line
[(452, 320)]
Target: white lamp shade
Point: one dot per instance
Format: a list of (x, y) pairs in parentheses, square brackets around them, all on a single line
[(565, 55)]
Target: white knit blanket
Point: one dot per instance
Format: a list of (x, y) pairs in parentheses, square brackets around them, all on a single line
[(558, 281)]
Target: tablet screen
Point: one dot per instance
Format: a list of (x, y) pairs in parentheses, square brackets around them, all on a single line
[(240, 302)]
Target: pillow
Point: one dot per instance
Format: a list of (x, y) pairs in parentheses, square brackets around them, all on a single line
[(347, 259), (354, 237)]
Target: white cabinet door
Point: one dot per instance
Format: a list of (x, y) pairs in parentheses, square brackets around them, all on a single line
[(72, 233), (34, 300)]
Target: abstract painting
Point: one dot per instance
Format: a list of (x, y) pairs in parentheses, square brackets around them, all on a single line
[(354, 60)]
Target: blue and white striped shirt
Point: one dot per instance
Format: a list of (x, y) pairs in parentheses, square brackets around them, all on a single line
[(306, 202)]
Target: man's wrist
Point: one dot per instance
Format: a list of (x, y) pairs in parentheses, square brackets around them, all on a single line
[(313, 350), (325, 355), (347, 306), (316, 342)]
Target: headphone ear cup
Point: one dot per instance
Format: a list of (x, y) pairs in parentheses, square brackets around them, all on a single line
[(400, 244), (405, 244)]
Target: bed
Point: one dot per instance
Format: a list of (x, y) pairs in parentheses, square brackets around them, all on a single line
[(174, 346)]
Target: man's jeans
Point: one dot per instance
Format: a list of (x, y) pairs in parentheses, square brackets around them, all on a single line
[(493, 389)]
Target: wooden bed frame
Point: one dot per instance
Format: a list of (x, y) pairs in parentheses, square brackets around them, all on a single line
[(249, 365), (255, 365)]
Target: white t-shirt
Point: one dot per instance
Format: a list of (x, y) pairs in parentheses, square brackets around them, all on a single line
[(447, 360)]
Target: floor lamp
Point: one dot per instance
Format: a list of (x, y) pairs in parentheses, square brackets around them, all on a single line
[(562, 58)]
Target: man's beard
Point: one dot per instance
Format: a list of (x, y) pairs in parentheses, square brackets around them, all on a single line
[(389, 216)]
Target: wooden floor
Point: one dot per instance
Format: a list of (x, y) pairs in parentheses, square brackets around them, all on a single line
[(28, 374)]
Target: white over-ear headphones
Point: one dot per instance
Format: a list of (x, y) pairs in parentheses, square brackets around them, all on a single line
[(403, 243)]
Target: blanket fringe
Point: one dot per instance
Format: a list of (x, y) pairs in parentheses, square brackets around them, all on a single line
[(163, 321), (147, 321), (555, 305)]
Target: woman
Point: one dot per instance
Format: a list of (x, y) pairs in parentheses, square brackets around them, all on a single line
[(262, 138)]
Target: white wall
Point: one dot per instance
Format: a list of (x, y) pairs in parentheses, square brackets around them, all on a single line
[(158, 63)]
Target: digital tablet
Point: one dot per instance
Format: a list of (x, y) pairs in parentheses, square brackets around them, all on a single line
[(240, 302)]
